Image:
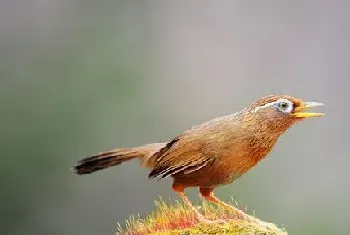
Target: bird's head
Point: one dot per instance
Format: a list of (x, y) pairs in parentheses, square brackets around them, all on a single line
[(279, 112)]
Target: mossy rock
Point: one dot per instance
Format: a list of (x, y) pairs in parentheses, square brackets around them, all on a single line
[(178, 219)]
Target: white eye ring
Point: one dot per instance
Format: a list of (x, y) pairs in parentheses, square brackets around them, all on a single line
[(284, 105)]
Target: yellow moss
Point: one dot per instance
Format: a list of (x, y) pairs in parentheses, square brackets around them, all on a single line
[(177, 219)]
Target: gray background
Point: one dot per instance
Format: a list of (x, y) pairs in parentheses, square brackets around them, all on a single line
[(80, 77)]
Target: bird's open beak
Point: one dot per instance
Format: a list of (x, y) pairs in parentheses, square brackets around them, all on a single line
[(299, 112)]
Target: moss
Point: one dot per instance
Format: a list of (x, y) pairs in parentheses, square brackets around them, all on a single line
[(177, 219), (232, 227)]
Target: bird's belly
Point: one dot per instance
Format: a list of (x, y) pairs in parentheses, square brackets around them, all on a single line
[(208, 177), (221, 172)]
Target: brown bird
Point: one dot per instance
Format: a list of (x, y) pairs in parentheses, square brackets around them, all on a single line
[(214, 153)]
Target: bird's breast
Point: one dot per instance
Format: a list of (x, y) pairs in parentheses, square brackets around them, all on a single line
[(242, 158)]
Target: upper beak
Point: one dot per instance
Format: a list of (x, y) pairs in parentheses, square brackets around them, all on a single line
[(298, 112)]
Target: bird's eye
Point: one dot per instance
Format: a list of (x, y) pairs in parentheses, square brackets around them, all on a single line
[(283, 105)]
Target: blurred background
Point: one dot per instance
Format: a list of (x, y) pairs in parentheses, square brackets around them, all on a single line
[(80, 77)]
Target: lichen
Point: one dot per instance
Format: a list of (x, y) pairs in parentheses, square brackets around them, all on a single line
[(174, 219)]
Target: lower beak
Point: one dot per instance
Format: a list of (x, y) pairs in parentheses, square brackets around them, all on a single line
[(299, 111)]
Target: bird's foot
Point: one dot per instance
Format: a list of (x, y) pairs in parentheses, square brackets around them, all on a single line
[(202, 219), (243, 216), (239, 214)]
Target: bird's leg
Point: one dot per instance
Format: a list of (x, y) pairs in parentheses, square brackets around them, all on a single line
[(179, 189), (208, 194)]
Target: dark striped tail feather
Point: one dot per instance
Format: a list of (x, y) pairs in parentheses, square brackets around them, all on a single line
[(116, 157), (103, 160)]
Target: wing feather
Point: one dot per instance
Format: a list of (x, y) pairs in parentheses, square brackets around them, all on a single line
[(194, 149)]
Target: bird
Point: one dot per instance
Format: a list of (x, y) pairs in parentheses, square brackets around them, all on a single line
[(214, 153)]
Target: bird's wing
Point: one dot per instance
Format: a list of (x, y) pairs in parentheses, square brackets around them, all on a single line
[(183, 154), (193, 149)]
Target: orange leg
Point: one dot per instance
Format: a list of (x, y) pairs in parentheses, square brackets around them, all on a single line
[(208, 194), (179, 189)]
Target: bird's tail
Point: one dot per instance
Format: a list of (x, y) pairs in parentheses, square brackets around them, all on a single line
[(116, 157)]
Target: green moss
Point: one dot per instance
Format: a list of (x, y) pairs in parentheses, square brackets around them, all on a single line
[(233, 227), (177, 219)]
